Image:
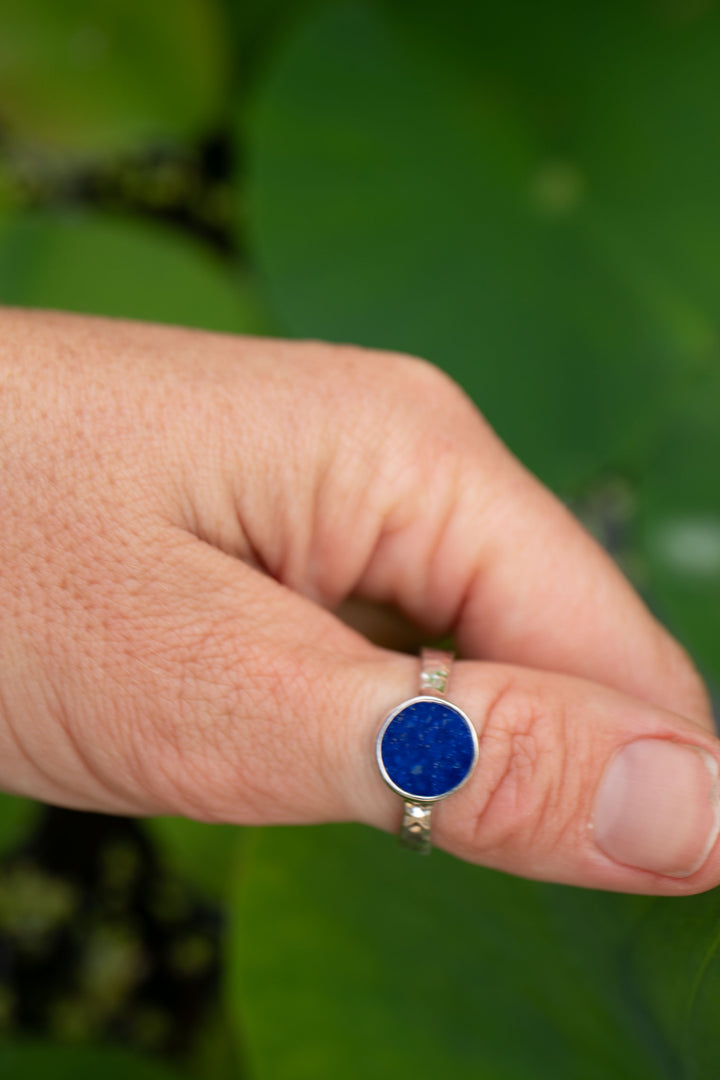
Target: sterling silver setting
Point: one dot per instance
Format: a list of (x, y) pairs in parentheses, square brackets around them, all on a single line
[(416, 800), (415, 829)]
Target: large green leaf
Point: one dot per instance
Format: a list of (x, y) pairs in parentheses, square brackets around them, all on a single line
[(7, 192), (460, 183), (39, 1061), (106, 266), (216, 1053), (677, 966), (649, 135), (90, 77), (351, 957), (680, 522), (207, 855), (255, 27)]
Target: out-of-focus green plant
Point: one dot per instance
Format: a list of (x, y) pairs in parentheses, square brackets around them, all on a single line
[(30, 1060), (527, 195), (206, 855), (87, 78), (114, 266), (352, 957)]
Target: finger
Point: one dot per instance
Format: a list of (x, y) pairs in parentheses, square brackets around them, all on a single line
[(471, 541), (273, 717), (388, 484)]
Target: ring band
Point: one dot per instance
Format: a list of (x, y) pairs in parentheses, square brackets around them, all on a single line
[(426, 749)]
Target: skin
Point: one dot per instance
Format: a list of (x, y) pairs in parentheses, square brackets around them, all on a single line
[(183, 516)]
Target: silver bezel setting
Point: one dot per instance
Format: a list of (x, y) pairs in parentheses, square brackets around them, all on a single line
[(407, 795)]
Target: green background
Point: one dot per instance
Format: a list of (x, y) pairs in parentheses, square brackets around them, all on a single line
[(527, 194)]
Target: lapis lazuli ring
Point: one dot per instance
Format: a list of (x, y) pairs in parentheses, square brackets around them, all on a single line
[(427, 748)]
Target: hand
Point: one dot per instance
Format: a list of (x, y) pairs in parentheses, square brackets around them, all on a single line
[(183, 512)]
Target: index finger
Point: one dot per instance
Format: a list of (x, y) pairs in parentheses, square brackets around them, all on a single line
[(483, 547)]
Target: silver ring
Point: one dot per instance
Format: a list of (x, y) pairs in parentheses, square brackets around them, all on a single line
[(427, 749)]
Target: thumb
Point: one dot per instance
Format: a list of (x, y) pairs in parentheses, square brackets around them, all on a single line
[(575, 782)]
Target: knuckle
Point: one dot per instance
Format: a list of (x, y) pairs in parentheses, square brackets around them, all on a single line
[(423, 382), (399, 378), (528, 792)]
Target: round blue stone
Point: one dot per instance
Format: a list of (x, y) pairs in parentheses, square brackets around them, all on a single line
[(428, 749)]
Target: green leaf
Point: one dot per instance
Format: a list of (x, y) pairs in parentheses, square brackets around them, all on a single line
[(17, 816), (216, 1054), (462, 184), (255, 26), (7, 191), (680, 522), (655, 172), (351, 957), (92, 78), (24, 1061), (204, 854), (115, 267), (677, 963)]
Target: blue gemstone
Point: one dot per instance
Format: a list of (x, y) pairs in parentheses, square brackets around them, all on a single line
[(428, 749)]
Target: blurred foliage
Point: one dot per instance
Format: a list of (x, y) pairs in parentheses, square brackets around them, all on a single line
[(526, 194), (85, 262), (77, 1063), (204, 854), (385, 965), (17, 816), (432, 210), (680, 518), (102, 938), (88, 78)]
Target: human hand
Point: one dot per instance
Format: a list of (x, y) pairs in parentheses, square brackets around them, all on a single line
[(182, 513)]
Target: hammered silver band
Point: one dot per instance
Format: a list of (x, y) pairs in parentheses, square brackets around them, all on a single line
[(435, 667), (415, 829)]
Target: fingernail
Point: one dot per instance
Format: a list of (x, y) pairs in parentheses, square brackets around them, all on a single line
[(657, 807)]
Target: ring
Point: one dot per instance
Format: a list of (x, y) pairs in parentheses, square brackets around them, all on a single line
[(427, 748)]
